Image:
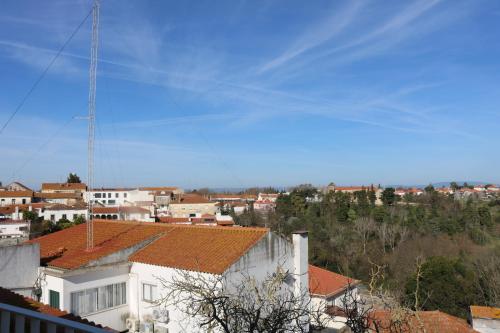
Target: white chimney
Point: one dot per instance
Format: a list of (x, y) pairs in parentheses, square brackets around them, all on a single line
[(300, 241)]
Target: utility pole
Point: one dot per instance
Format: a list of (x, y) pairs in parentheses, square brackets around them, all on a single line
[(91, 136)]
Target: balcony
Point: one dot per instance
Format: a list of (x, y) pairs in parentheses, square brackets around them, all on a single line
[(14, 319)]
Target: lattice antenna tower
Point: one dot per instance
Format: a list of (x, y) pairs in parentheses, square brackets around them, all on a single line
[(91, 136)]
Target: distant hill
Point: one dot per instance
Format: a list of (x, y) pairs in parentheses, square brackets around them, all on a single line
[(442, 184)]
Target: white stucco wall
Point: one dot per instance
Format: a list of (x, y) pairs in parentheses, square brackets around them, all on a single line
[(65, 285), (19, 267), (58, 214), (486, 325), (261, 260)]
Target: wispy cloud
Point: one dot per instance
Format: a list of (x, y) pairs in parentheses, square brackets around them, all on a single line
[(317, 35)]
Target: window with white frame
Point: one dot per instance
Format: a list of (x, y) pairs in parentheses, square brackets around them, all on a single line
[(149, 292), (96, 299)]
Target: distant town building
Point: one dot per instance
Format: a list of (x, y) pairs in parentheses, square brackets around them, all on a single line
[(15, 197), (189, 205)]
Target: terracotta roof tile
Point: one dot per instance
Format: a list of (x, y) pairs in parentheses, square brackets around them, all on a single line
[(424, 321), (191, 199), (197, 248), (208, 249), (323, 282), (64, 186), (58, 195), (486, 312), (67, 248), (168, 219), (15, 194)]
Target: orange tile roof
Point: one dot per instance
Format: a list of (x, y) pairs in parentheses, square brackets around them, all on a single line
[(9, 209), (64, 186), (58, 195), (191, 199), (66, 249), (198, 248), (486, 312), (325, 283), (208, 249), (168, 219), (120, 209), (15, 194), (234, 196), (14, 299), (424, 321), (351, 188)]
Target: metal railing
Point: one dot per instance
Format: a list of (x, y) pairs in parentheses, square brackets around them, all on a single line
[(19, 320)]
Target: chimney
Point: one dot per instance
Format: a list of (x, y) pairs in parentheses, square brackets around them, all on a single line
[(300, 241), (301, 259)]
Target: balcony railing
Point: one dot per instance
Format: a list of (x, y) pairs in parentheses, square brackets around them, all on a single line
[(19, 320)]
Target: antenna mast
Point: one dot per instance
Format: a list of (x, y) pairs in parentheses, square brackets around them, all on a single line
[(92, 93)]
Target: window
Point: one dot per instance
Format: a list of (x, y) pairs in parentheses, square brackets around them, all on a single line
[(54, 298), (109, 195), (64, 216), (75, 216), (96, 299), (52, 217), (24, 201), (116, 195), (111, 202), (149, 292), (13, 201), (124, 195), (97, 195)]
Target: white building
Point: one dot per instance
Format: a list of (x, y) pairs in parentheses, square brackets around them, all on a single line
[(129, 213), (14, 229), (57, 212), (143, 196), (15, 197), (64, 188), (189, 205), (118, 282)]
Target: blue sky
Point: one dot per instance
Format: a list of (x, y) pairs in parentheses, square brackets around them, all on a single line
[(246, 93)]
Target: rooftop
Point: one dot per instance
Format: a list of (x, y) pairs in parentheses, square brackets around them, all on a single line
[(64, 186), (66, 249), (485, 312), (15, 194), (58, 195), (191, 199), (424, 321), (200, 248), (208, 249), (325, 283)]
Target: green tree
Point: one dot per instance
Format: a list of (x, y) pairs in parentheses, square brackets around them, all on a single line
[(429, 189), (79, 220), (73, 178), (372, 196), (454, 186), (444, 284), (389, 196)]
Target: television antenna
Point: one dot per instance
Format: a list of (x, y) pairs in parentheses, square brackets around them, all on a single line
[(91, 118)]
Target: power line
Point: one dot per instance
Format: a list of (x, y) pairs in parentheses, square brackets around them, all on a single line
[(42, 75), (41, 147)]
